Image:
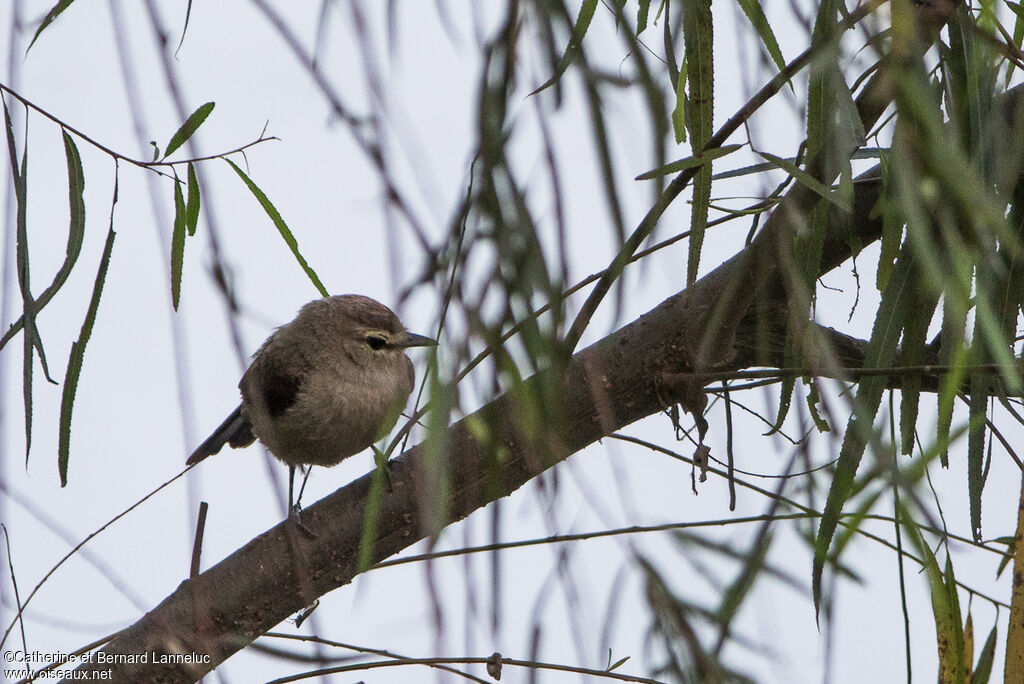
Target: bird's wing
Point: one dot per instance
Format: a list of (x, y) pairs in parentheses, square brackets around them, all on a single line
[(280, 387), (276, 375)]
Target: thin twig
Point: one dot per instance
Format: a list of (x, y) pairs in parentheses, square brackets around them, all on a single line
[(85, 541), (121, 157), (197, 545)]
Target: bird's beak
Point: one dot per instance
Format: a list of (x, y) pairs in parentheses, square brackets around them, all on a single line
[(414, 340)]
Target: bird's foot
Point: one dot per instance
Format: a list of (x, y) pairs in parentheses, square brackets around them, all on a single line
[(295, 515)]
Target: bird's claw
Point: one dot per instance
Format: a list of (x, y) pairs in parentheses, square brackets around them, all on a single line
[(295, 515)]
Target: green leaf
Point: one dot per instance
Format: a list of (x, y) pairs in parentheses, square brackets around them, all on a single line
[(977, 410), (912, 353), (192, 204), (20, 176), (821, 189), (948, 626), (949, 631), (184, 29), (698, 34), (618, 663), (813, 399), (679, 111), (282, 227), (188, 128), (1008, 555), (177, 244), (786, 389), (579, 30), (77, 356), (76, 210), (757, 19), (892, 227), (689, 162), (48, 19), (983, 670), (642, 12), (953, 353), (880, 353), (76, 234)]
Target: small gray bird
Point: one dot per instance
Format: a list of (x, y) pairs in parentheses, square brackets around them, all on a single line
[(323, 387)]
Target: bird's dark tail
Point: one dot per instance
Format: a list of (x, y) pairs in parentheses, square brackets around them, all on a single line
[(236, 430)]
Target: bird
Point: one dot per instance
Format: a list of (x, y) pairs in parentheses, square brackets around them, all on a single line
[(323, 387)]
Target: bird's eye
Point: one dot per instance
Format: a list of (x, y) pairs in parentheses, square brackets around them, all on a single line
[(376, 342)]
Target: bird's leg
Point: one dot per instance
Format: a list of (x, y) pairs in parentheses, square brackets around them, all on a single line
[(305, 479), (294, 508), (383, 465)]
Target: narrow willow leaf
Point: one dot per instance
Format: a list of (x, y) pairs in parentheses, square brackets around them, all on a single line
[(983, 669), (822, 70), (48, 19), (813, 399), (753, 169), (281, 226), (968, 656), (737, 591), (20, 176), (177, 244), (972, 82), (1008, 555), (833, 134), (954, 665), (786, 389), (689, 162), (817, 187), (880, 353), (77, 356), (945, 605), (978, 407), (679, 111), (188, 128), (1014, 289), (912, 353), (946, 632), (76, 227), (192, 203), (184, 29), (1013, 666), (952, 353), (892, 226), (76, 235), (642, 12), (757, 19), (698, 34), (852, 522), (579, 30)]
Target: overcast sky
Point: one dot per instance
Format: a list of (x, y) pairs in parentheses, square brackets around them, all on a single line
[(155, 382)]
